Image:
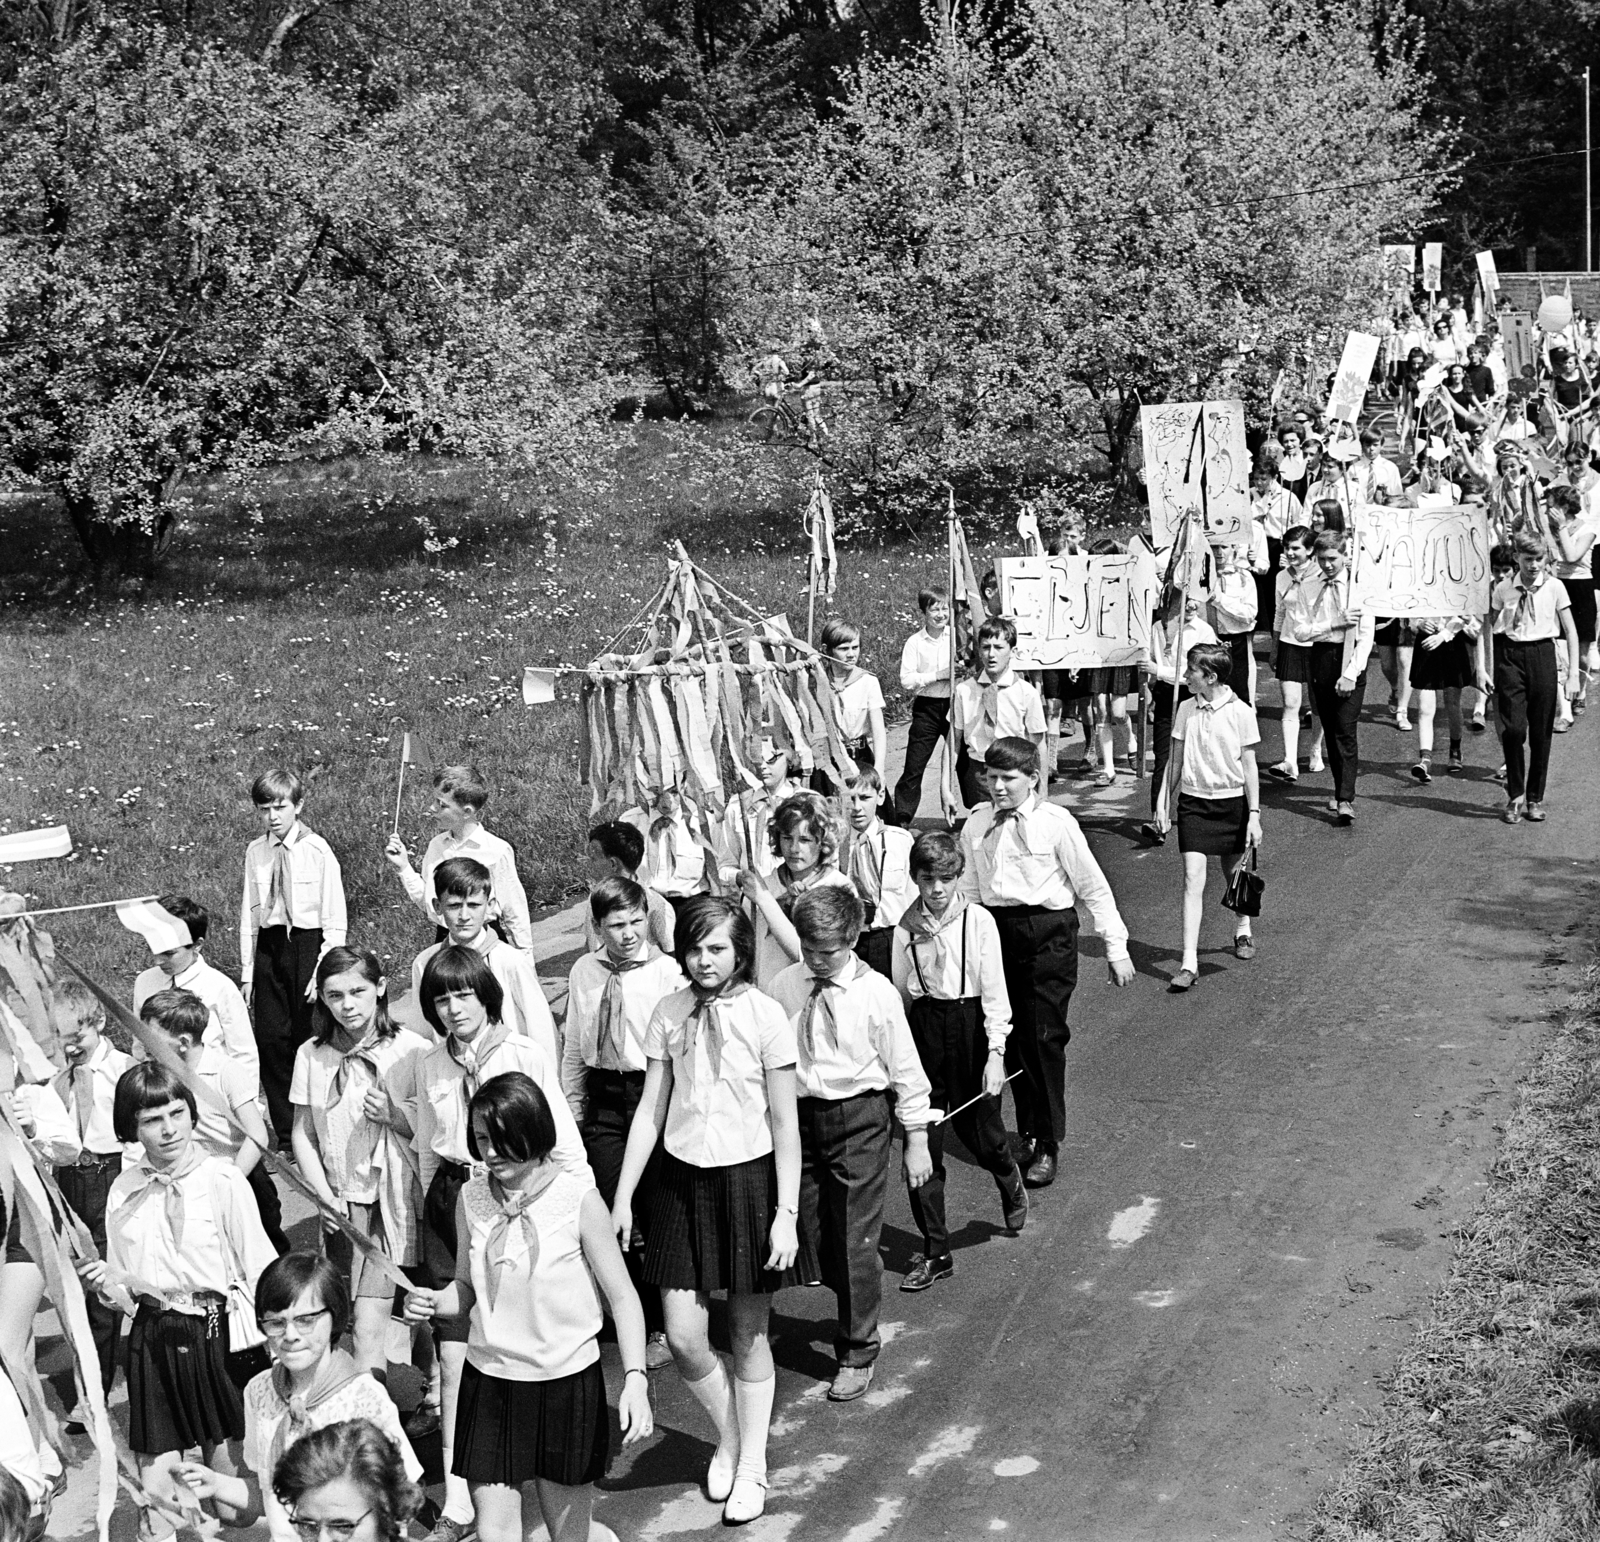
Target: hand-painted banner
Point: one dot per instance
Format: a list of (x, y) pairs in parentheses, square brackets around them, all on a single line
[(1488, 276), (1195, 460), (1422, 562), (1079, 612), (1400, 262), (1349, 389), (1432, 263), (1516, 328)]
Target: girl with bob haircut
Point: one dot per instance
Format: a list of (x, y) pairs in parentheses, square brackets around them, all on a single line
[(347, 1480), (858, 701), (183, 1231), (532, 1426), (456, 971), (806, 832), (719, 1094), (349, 1140), (303, 1307)]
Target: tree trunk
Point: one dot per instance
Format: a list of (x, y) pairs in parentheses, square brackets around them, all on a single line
[(1121, 421), (118, 551)]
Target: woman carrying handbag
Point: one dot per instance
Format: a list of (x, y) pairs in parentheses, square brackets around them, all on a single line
[(1212, 791)]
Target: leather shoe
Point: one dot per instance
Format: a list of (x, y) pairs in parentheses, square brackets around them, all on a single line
[(1014, 1201), (849, 1382), (1042, 1172), (924, 1271)]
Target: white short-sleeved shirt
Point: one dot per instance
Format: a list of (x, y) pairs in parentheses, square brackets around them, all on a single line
[(359, 1398), (719, 1117), (347, 1140), (1214, 736), (1539, 620), (854, 702)]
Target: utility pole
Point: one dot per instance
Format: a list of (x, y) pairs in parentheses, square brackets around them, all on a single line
[(1588, 184)]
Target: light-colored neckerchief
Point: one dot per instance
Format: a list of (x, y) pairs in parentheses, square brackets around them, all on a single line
[(336, 1373)]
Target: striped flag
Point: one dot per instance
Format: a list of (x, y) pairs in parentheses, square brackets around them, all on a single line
[(36, 845), (162, 931)]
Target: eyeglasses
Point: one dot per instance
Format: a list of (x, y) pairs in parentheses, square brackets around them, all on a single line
[(302, 1323), (328, 1531)]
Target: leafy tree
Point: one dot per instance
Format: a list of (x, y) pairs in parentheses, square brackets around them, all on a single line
[(1011, 239)]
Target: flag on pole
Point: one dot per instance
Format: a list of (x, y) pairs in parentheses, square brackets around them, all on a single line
[(162, 931), (538, 686), (824, 558), (36, 845)]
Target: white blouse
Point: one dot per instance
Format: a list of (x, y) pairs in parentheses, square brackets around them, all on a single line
[(854, 703)]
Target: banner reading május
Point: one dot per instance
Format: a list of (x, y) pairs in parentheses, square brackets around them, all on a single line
[(1079, 612), (1422, 562)]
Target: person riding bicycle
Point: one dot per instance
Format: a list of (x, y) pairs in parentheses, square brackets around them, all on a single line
[(772, 372), (815, 360)]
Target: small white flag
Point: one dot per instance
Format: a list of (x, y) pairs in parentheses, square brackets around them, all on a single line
[(36, 845), (162, 931), (538, 686)]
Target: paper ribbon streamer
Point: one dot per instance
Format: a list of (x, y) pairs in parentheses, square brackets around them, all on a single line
[(36, 845)]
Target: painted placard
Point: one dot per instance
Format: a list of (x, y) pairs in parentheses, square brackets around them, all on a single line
[(1349, 389), (1195, 461), (1516, 328), (1432, 264), (1488, 276), (1422, 562), (1399, 266), (1079, 612)]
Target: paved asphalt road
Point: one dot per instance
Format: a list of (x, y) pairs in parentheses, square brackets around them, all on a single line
[(1255, 1202)]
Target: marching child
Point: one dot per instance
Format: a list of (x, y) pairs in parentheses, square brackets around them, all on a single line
[(1028, 864), (858, 701), (182, 1016), (616, 850), (348, 1078), (182, 1238), (1233, 617), (925, 673), (610, 996), (720, 1095), (460, 793), (462, 1002), (947, 965), (855, 1051), (536, 1242), (183, 968), (997, 704), (755, 807), (876, 858), (1179, 624), (1291, 657), (293, 912), (87, 1089), (464, 900), (674, 861), (805, 833)]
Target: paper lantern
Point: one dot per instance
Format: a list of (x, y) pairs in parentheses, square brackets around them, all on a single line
[(1555, 313)]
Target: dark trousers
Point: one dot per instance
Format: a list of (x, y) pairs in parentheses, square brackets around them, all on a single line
[(875, 947), (970, 778), (1039, 949), (1161, 732), (270, 1206), (930, 720), (1525, 689), (844, 1176), (952, 1047), (611, 1098), (85, 1188), (1339, 714), (1238, 646), (286, 958)]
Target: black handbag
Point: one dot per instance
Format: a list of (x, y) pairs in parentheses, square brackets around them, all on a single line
[(1243, 893)]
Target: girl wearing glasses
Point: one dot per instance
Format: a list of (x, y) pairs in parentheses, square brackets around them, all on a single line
[(303, 1306), (346, 1483)]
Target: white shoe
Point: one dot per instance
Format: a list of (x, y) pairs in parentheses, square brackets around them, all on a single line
[(747, 1501), (1316, 763), (720, 1475)]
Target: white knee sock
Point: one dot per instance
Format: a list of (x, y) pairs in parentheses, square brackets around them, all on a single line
[(715, 1394), (753, 1401)]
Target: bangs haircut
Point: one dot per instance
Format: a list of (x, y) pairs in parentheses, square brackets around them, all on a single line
[(453, 970), (1298, 535), (463, 785), (928, 598), (1332, 515), (619, 842), (1527, 544), (811, 812), (937, 854), (614, 894), (707, 914), (1329, 540), (517, 1116), (867, 776), (838, 632), (176, 1011), (359, 961), (181, 908), (1013, 754), (144, 1086), (289, 1277), (830, 914), (1214, 658), (462, 878), (998, 626), (274, 784)]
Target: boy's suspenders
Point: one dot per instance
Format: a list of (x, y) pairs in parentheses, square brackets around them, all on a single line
[(916, 964)]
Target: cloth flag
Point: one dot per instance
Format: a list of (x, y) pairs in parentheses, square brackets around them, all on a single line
[(162, 931), (36, 845)]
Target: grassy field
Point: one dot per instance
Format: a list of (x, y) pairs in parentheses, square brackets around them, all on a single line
[(314, 624), (1492, 1422)]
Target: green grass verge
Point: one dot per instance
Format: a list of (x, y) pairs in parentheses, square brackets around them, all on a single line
[(1491, 1426), (311, 625)]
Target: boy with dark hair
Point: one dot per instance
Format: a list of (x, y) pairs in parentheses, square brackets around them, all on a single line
[(464, 900), (293, 911), (1028, 864), (925, 673), (183, 968), (616, 850), (855, 1049), (876, 858), (998, 704), (460, 793), (948, 966)]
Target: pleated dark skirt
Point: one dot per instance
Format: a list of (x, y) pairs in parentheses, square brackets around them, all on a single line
[(512, 1432), (179, 1391), (1293, 666), (710, 1229)]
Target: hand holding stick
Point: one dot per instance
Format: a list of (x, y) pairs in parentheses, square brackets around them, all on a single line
[(944, 1118)]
